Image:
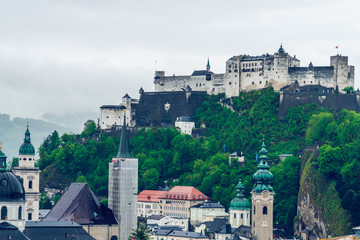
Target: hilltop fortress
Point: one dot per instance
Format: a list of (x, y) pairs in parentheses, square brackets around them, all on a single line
[(177, 96), (245, 73)]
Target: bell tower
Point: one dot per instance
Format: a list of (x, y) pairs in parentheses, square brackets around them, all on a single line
[(31, 177), (239, 208), (262, 200)]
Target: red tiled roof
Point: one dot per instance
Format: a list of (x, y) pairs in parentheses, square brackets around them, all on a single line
[(150, 196), (185, 193)]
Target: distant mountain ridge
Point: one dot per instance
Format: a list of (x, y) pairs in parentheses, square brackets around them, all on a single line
[(12, 133)]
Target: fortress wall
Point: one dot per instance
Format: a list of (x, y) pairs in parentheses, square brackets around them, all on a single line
[(151, 109), (336, 102)]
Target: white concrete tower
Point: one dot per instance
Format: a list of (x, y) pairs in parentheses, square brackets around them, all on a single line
[(262, 200), (123, 187), (239, 208), (31, 177)]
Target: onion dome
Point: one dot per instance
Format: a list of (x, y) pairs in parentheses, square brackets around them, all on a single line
[(263, 176), (240, 202), (11, 188), (281, 49), (27, 148)]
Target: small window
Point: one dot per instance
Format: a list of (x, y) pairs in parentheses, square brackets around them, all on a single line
[(229, 83), (265, 210), (252, 83), (29, 159), (242, 216), (260, 82), (20, 213), (4, 213), (24, 159), (234, 215), (29, 216)]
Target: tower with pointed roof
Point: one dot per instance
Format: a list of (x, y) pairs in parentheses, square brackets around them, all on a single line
[(31, 177), (262, 200), (12, 196), (239, 208), (123, 186), (208, 65)]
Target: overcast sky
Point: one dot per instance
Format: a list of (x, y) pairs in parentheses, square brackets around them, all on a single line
[(69, 56)]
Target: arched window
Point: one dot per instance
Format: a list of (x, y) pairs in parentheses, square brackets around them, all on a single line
[(4, 213), (234, 215), (20, 213), (242, 216), (114, 238), (30, 184), (265, 210)]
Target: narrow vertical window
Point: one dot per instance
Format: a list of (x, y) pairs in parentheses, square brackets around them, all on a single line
[(20, 213), (30, 185), (4, 213), (265, 210)]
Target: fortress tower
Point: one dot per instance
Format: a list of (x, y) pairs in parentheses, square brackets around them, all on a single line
[(262, 200), (239, 208), (31, 177), (343, 73), (123, 186)]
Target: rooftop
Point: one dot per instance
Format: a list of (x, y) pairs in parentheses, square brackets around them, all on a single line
[(186, 193), (208, 205), (150, 196)]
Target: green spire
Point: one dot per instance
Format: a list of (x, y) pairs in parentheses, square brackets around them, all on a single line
[(27, 148), (124, 142), (240, 201), (263, 176), (2, 160), (208, 65)]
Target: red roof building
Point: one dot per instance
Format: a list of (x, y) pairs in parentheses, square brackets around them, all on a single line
[(148, 203), (178, 200)]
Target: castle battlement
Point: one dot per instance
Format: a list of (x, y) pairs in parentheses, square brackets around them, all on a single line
[(245, 73)]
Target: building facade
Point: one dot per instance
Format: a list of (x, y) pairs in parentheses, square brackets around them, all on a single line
[(245, 73), (200, 212), (262, 200), (113, 115), (178, 201), (31, 177), (148, 203), (185, 124), (239, 208), (123, 187)]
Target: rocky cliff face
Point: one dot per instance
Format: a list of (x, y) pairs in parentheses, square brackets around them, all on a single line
[(319, 207)]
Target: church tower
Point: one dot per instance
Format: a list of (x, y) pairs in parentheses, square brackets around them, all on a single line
[(31, 177), (239, 208), (262, 200), (123, 186)]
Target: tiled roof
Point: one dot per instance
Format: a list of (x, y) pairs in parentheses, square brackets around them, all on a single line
[(186, 193), (81, 205), (155, 217), (6, 230), (150, 196), (208, 205)]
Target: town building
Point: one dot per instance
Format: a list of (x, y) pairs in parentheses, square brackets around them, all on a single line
[(239, 157), (31, 177), (80, 205), (58, 230), (148, 203), (113, 115), (178, 235), (262, 200), (8, 231), (123, 186), (239, 208), (12, 196), (185, 124), (178, 201), (206, 211), (245, 73), (159, 221)]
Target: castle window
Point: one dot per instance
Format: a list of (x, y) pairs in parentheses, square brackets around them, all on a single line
[(229, 83), (200, 84), (265, 210), (252, 83), (20, 213), (310, 81), (260, 82), (30, 185), (229, 71), (196, 84), (4, 213), (266, 82), (304, 82)]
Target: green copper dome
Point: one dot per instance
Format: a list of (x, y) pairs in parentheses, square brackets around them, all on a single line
[(27, 148), (263, 176), (2, 160), (240, 202)]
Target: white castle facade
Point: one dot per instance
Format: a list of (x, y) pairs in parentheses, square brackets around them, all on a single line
[(245, 73)]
